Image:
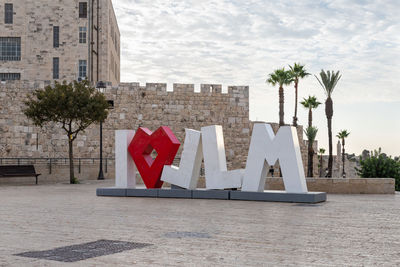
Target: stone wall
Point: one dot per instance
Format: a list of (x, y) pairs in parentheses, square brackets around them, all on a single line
[(341, 186), (135, 106)]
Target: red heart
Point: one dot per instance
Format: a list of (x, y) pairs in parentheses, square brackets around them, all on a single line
[(164, 142)]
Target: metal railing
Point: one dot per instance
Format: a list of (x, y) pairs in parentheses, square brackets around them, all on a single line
[(79, 162), (51, 162)]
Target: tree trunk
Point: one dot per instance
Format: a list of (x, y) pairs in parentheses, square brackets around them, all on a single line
[(321, 167), (71, 161), (310, 160), (329, 114), (310, 117), (343, 172), (295, 104), (281, 107)]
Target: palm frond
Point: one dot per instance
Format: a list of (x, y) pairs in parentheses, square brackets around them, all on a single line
[(298, 71), (280, 76), (310, 102), (343, 134), (311, 133), (328, 80)]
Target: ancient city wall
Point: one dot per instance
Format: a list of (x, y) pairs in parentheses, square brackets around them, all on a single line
[(134, 106)]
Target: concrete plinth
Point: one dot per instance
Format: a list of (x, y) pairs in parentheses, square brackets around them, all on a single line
[(111, 192), (134, 192), (210, 194), (272, 196), (279, 196), (174, 193)]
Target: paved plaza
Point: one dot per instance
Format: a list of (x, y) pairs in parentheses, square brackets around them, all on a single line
[(356, 230)]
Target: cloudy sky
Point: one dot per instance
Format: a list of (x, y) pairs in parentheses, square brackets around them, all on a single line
[(240, 42)]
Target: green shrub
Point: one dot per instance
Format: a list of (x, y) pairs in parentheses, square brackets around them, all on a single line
[(378, 165)]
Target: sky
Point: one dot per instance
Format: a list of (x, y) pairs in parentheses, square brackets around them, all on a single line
[(241, 42)]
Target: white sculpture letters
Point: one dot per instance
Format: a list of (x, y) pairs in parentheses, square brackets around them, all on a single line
[(217, 175), (125, 168), (265, 147), (187, 174)]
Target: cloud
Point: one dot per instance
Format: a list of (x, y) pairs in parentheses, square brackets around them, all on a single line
[(241, 42)]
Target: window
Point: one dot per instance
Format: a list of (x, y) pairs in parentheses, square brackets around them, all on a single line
[(56, 36), (83, 10), (56, 67), (82, 35), (8, 16), (82, 69), (10, 76), (10, 48)]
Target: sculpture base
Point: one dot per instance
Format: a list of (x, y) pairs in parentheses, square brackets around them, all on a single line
[(269, 195), (279, 196)]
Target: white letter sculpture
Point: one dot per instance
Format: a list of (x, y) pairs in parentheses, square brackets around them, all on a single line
[(266, 147), (187, 175), (217, 176), (125, 168)]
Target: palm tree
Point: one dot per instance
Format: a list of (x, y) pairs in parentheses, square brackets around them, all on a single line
[(311, 133), (297, 72), (342, 135), (321, 152), (280, 77), (310, 103), (328, 82)]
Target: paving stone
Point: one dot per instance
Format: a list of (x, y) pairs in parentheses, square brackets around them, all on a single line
[(346, 230), (187, 235)]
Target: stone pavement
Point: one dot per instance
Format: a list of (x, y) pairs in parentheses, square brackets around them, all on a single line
[(357, 230)]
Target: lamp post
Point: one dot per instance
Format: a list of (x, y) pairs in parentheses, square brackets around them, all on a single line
[(101, 86)]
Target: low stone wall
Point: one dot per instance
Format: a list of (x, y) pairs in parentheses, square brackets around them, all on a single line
[(60, 173), (341, 186)]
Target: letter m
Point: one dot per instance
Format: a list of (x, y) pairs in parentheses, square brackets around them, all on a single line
[(265, 148)]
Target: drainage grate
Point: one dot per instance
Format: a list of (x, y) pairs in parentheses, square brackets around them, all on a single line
[(187, 234), (84, 251)]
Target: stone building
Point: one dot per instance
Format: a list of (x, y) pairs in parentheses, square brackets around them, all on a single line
[(59, 40)]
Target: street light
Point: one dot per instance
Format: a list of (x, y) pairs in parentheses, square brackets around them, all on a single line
[(101, 86)]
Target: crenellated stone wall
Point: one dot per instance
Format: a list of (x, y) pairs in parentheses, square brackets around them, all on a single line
[(135, 106), (151, 106)]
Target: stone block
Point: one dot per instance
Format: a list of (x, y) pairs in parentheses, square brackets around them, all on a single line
[(210, 194), (111, 192), (141, 192), (279, 196), (174, 193)]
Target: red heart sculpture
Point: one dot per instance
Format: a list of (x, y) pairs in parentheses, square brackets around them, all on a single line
[(164, 142)]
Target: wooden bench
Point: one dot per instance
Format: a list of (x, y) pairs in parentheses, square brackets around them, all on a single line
[(7, 171)]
